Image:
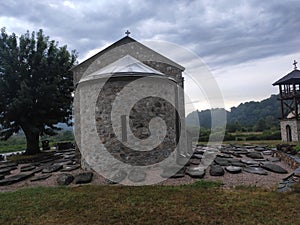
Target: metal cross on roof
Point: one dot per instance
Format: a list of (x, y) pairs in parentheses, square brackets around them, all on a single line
[(127, 33), (295, 64)]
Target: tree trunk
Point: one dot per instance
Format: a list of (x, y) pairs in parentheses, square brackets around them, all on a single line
[(32, 140)]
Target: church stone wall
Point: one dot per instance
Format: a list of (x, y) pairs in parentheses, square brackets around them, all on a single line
[(138, 128), (140, 116), (295, 129), (147, 141)]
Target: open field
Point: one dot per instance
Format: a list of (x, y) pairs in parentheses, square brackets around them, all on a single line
[(18, 142), (15, 143), (200, 203)]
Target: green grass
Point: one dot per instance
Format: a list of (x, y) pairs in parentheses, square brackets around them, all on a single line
[(18, 142), (186, 204), (13, 144)]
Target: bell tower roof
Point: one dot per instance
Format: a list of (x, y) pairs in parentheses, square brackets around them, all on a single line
[(291, 78)]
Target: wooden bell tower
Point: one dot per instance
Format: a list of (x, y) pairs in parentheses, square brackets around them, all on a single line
[(289, 96)]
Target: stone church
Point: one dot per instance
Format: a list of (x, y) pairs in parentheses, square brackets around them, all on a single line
[(129, 106)]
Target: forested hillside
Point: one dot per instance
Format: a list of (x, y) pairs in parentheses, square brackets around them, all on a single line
[(256, 116)]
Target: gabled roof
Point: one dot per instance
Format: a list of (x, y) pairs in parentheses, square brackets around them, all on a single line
[(291, 78), (123, 41), (126, 66)]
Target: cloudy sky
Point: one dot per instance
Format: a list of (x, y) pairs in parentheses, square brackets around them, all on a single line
[(247, 45)]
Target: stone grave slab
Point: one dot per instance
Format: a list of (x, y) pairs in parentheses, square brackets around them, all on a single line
[(65, 179), (69, 168), (53, 168), (233, 169), (273, 168), (6, 171), (6, 165), (195, 172), (255, 155), (216, 170), (195, 161), (41, 177), (27, 168), (256, 170), (15, 178), (83, 178)]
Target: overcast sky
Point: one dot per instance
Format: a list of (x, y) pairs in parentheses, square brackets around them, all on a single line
[(247, 45)]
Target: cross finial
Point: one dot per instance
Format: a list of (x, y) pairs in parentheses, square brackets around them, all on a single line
[(127, 33), (295, 64)]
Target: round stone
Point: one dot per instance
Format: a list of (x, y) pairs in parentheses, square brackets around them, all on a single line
[(195, 172), (65, 179), (216, 170), (233, 169)]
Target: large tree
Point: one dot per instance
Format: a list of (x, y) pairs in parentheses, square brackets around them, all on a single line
[(35, 86)]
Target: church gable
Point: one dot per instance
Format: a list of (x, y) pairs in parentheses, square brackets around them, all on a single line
[(121, 48)]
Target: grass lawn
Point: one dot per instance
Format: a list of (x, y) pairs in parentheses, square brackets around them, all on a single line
[(200, 203)]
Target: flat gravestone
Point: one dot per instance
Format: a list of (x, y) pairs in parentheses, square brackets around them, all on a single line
[(197, 156), (274, 168), (233, 169), (6, 165), (216, 170), (69, 168), (15, 178), (233, 160), (239, 164), (41, 177), (224, 155), (221, 161), (297, 172), (199, 151), (27, 168), (195, 172), (256, 170), (267, 152), (65, 179), (241, 151), (53, 168), (83, 178), (236, 155), (255, 155), (273, 159), (249, 162), (195, 161), (260, 149), (6, 171)]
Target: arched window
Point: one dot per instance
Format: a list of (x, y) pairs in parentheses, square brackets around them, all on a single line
[(288, 133)]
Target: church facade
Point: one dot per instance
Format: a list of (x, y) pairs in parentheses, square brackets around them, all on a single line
[(129, 106)]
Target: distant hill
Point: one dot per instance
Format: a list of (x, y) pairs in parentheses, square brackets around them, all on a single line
[(204, 118), (250, 114)]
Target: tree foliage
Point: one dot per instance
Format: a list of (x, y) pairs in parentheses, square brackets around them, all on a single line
[(35, 86)]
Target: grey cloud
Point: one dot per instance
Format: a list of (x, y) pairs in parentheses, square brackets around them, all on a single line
[(223, 32)]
